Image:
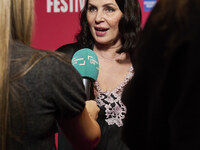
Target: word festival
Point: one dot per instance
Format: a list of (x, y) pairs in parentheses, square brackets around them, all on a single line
[(63, 6)]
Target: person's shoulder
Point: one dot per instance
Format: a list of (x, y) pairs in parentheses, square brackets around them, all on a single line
[(19, 50), (65, 47), (42, 59), (69, 49)]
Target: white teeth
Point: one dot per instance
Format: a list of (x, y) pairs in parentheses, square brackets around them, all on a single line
[(99, 29)]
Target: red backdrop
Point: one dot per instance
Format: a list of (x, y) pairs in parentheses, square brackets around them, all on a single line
[(57, 21)]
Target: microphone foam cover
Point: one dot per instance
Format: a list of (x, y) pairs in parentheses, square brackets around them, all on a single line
[(86, 63)]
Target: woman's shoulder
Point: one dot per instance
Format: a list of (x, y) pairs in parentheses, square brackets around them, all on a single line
[(20, 50), (75, 45), (69, 49), (25, 56)]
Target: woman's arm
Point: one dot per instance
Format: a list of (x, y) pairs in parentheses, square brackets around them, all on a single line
[(82, 131)]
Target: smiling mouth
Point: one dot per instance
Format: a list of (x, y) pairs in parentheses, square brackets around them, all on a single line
[(101, 29)]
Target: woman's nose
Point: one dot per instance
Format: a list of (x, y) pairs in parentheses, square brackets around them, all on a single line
[(99, 17)]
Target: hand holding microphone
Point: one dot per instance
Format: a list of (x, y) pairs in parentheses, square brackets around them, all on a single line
[(92, 109), (86, 63)]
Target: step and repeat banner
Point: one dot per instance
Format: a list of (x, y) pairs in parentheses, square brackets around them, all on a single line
[(57, 21)]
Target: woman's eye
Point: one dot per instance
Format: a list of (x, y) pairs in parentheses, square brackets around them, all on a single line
[(91, 9), (110, 9)]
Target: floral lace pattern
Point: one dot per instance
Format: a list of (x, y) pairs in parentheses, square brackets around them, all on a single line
[(115, 110)]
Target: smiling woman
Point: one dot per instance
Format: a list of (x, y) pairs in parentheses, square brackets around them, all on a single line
[(110, 28), (103, 18)]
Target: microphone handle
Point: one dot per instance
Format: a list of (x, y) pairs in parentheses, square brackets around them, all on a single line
[(87, 85)]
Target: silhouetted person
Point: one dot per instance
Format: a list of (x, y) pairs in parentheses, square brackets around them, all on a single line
[(163, 97)]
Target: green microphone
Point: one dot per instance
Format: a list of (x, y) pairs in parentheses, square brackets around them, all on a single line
[(86, 63)]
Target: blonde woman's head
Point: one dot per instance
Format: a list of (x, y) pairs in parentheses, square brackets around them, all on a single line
[(16, 18)]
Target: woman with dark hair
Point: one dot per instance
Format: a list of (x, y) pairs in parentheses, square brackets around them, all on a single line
[(110, 28), (38, 89), (163, 98)]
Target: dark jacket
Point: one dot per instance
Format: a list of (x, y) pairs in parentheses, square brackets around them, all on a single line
[(70, 49)]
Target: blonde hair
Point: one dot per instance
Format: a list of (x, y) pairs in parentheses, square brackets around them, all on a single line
[(22, 20), (16, 18)]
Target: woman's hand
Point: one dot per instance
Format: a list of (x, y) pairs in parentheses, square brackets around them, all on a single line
[(92, 109)]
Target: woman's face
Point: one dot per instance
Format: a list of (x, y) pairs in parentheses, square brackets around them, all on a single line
[(103, 17)]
